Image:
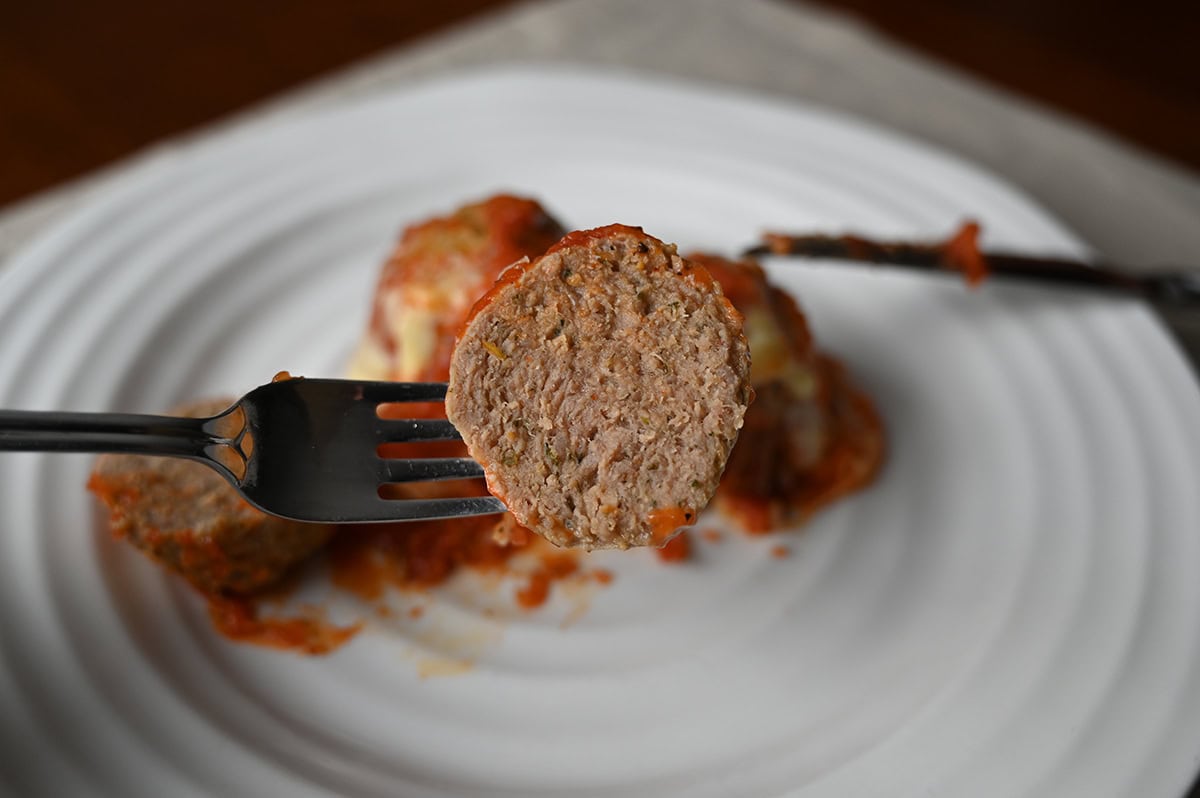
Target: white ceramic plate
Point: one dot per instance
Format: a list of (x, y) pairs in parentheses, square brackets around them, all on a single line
[(1012, 610)]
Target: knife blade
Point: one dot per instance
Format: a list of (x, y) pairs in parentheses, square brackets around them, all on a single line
[(1174, 294)]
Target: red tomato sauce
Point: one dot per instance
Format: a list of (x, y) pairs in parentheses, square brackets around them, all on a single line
[(677, 549), (310, 633)]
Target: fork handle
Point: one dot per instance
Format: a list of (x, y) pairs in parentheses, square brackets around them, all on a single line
[(128, 433)]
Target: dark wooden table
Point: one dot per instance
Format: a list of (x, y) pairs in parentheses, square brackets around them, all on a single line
[(83, 83)]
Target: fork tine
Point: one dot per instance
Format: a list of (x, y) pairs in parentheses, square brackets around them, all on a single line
[(404, 430), (435, 509), (384, 392), (430, 469)]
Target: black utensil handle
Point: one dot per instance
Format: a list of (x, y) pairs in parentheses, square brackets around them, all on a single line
[(1177, 289), (1174, 288), (39, 431)]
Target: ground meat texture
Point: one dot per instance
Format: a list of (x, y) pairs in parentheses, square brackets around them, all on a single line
[(602, 387), (187, 517)]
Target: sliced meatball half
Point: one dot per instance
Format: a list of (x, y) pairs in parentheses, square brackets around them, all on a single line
[(188, 518), (602, 387)]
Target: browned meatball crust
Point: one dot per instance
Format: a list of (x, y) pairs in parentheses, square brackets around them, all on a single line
[(433, 276)]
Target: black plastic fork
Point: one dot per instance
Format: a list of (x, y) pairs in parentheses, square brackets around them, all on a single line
[(303, 449)]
